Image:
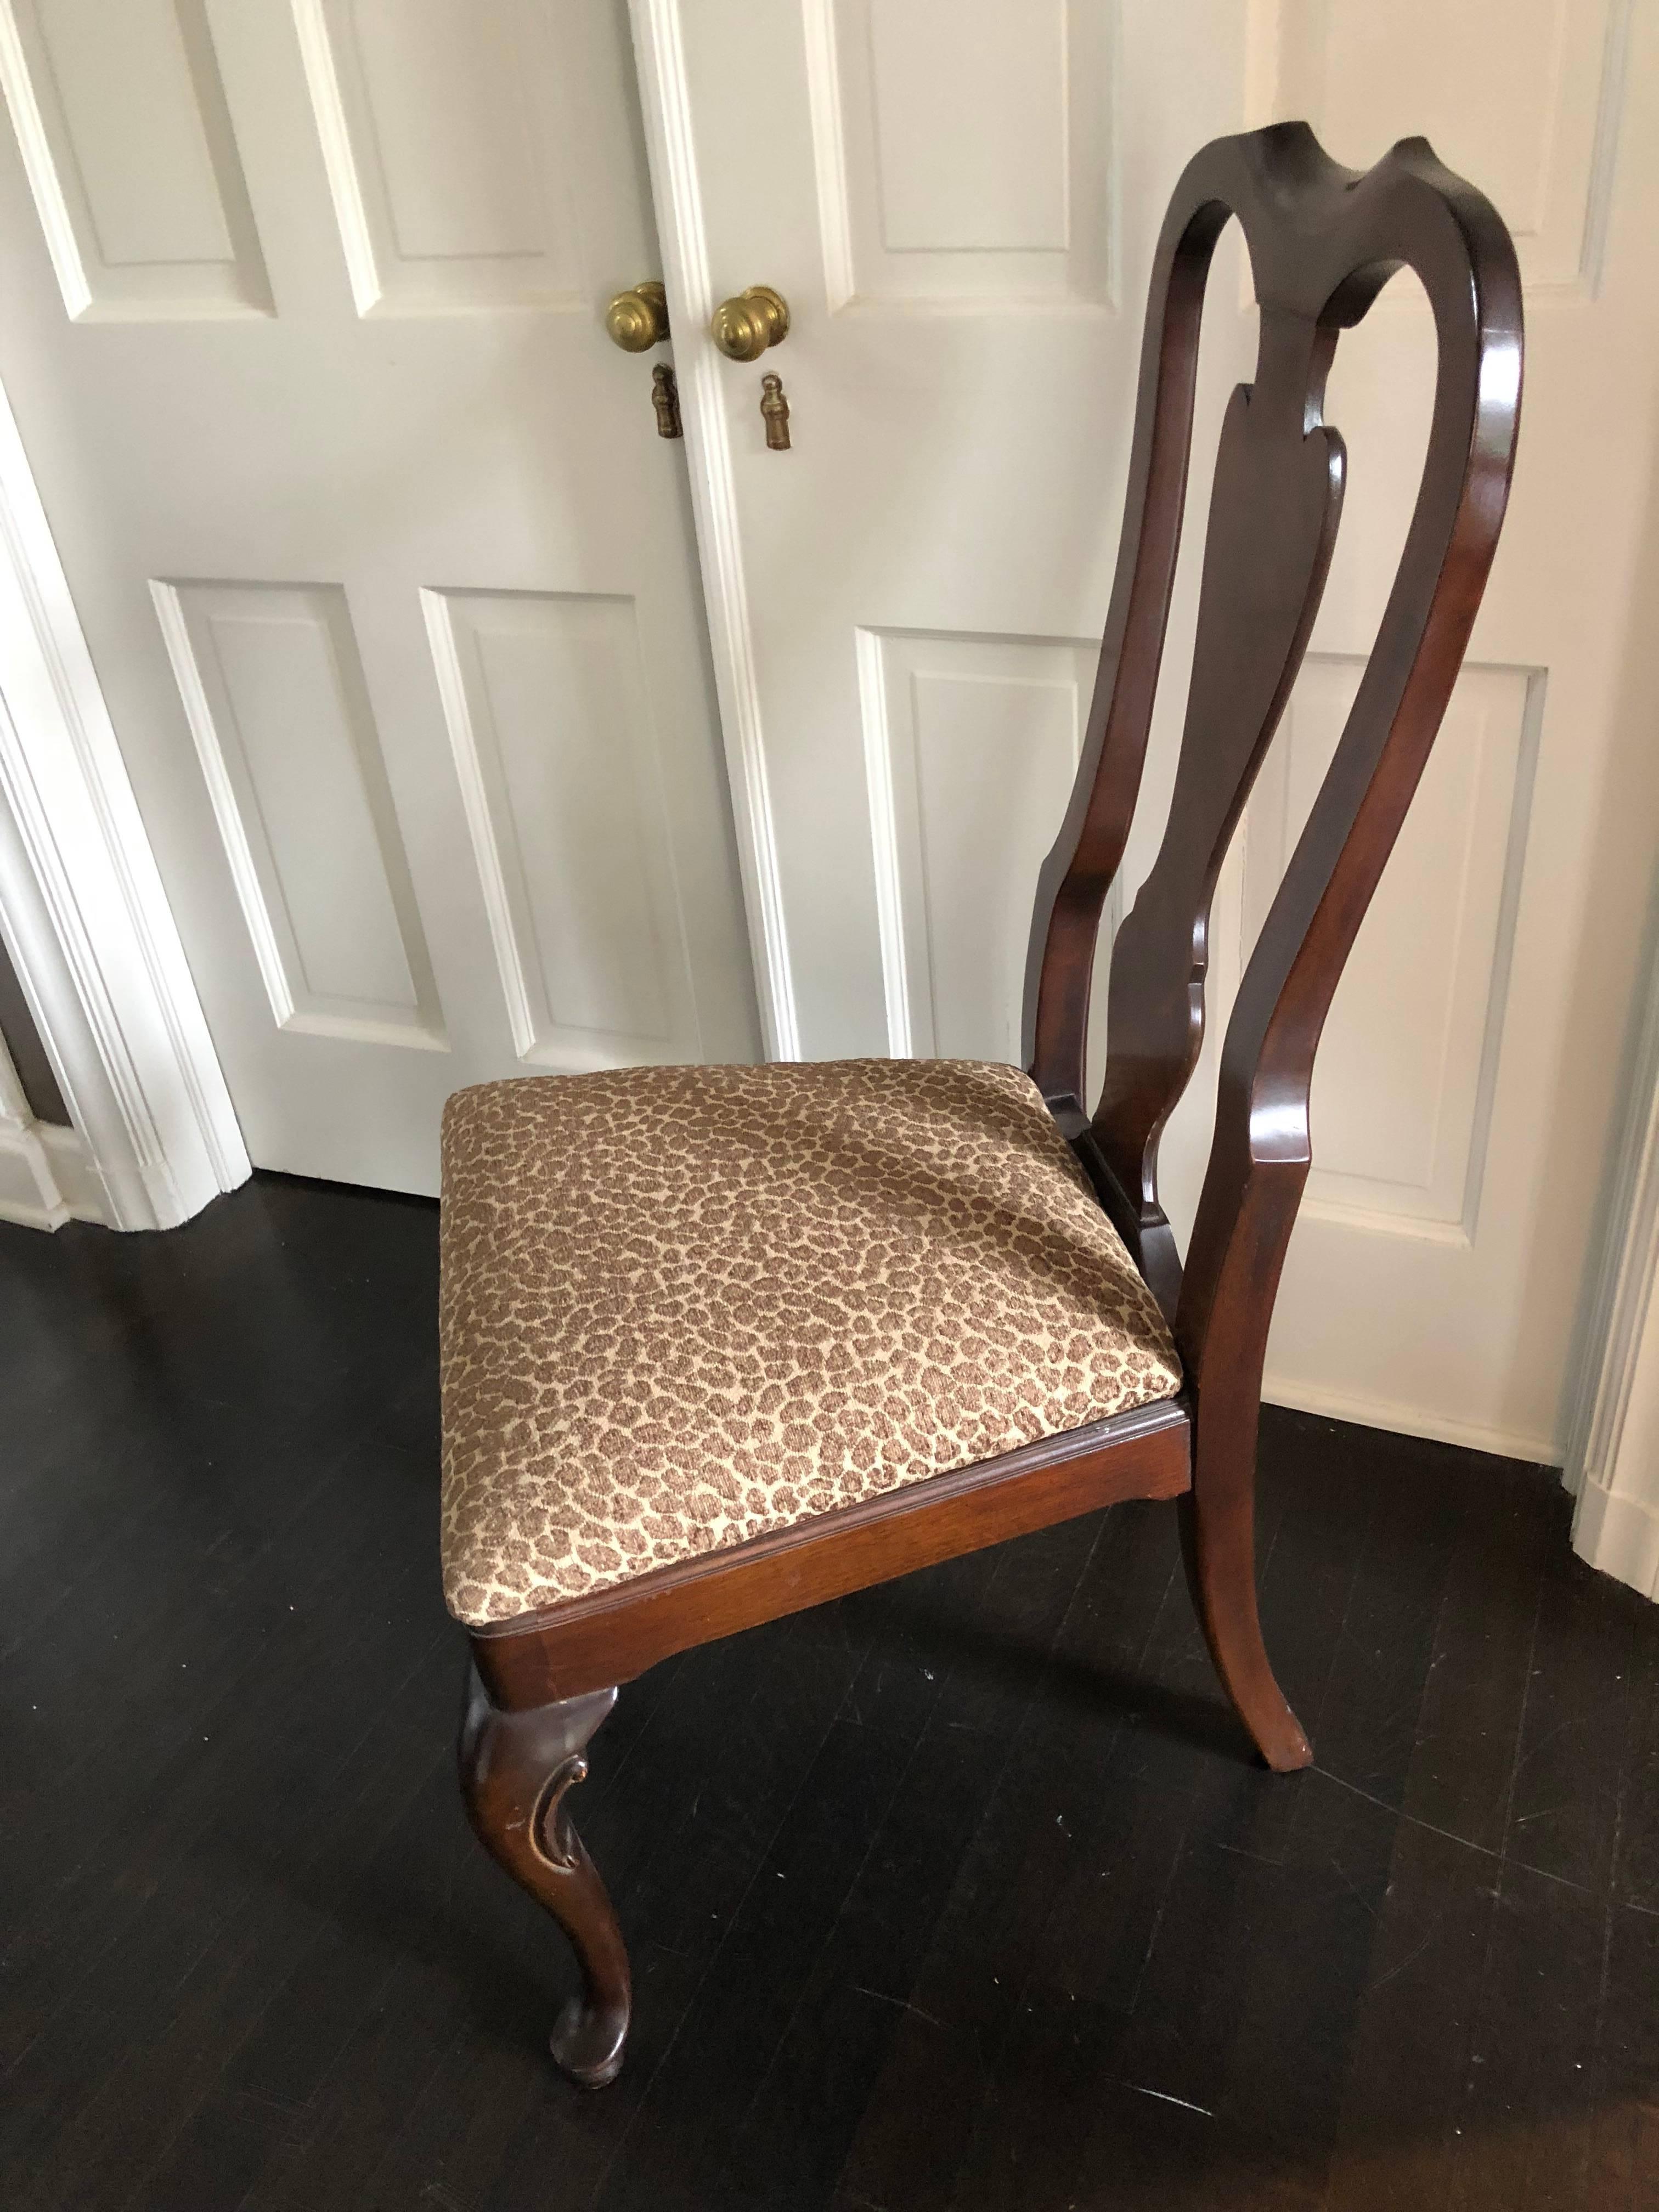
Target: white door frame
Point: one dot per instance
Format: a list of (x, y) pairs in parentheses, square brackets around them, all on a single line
[(1613, 1441), (87, 921)]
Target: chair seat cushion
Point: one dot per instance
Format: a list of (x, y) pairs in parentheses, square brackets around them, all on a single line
[(684, 1307)]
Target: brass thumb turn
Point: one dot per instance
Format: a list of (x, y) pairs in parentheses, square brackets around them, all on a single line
[(638, 319), (744, 327)]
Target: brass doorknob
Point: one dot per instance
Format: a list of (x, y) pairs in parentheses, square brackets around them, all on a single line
[(637, 320), (746, 326)]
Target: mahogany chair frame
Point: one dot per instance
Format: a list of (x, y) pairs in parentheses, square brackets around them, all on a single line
[(1322, 242)]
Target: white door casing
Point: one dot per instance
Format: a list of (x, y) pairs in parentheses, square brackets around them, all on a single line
[(959, 202), (388, 576), (86, 922), (1612, 1444)]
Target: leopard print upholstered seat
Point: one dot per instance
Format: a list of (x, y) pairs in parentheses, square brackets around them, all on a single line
[(683, 1307)]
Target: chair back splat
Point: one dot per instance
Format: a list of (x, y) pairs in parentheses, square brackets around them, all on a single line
[(1323, 240)]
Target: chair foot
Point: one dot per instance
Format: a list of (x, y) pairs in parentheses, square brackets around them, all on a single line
[(1217, 1542), (517, 1769)]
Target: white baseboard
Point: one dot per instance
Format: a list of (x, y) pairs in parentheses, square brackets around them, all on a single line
[(1619, 1535), (46, 1176), (1410, 1421)]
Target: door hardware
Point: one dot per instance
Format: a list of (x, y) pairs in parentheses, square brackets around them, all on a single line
[(665, 398), (637, 320), (745, 326), (774, 412)]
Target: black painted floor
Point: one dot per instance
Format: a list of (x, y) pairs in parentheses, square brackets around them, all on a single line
[(961, 1894)]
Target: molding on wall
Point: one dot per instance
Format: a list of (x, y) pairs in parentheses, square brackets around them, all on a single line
[(1619, 1535), (1611, 1463), (46, 1175), (82, 905), (885, 843), (1409, 1421), (664, 98)]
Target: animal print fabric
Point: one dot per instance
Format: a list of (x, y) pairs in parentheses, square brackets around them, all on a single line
[(683, 1307)]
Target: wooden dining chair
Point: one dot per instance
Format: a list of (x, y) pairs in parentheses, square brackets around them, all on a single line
[(719, 1343)]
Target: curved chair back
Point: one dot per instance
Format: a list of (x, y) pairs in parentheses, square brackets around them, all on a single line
[(1323, 240)]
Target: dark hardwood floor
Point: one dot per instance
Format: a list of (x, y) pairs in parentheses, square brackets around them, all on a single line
[(960, 1894)]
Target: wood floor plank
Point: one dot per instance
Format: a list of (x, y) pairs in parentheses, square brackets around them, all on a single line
[(859, 1992), (1475, 1699), (1525, 2138), (1415, 2029), (1570, 1776), (921, 2116)]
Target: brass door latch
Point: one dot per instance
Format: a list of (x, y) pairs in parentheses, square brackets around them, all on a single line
[(745, 326), (638, 319)]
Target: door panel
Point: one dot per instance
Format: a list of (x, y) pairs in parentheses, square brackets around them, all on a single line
[(960, 204), (1521, 96), (274, 692), (121, 120), (972, 745), (443, 132), (558, 765), (388, 577), (1404, 1085), (963, 154)]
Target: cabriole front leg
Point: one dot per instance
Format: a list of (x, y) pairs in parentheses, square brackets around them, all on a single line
[(516, 1769)]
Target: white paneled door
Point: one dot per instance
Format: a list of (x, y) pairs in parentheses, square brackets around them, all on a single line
[(386, 573), (958, 199)]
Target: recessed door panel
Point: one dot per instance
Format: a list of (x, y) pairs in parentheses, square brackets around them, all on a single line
[(122, 122)]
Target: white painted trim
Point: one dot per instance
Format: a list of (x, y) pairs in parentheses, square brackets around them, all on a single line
[(339, 163), (41, 170), (75, 1172), (233, 831), (45, 1175), (1604, 157), (480, 822), (82, 903), (829, 152), (883, 837), (665, 100), (1619, 1535), (29, 1195), (1409, 1421), (1611, 1464), (1622, 1285)]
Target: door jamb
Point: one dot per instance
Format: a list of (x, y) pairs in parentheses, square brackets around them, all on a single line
[(665, 100), (82, 903), (1611, 1464)]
